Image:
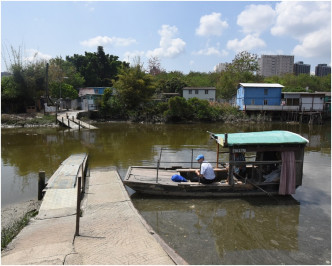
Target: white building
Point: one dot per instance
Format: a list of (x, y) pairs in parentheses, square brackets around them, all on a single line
[(220, 67), (305, 101), (202, 93)]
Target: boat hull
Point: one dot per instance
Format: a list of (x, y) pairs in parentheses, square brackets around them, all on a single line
[(142, 180)]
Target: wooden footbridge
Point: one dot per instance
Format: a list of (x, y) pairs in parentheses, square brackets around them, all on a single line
[(69, 119)]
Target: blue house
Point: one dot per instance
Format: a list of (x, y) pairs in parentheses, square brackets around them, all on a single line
[(258, 95)]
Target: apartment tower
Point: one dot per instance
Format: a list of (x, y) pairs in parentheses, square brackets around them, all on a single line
[(275, 65)]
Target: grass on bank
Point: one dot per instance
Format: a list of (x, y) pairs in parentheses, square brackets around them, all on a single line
[(10, 232)]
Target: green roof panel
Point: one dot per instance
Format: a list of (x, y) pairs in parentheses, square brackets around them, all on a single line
[(263, 137)]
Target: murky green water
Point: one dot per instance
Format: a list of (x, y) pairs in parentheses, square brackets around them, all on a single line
[(263, 230)]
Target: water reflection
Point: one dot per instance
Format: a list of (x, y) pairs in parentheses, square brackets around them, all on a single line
[(221, 226)]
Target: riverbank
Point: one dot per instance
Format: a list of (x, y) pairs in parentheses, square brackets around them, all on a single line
[(48, 120), (15, 217), (15, 212), (27, 120)]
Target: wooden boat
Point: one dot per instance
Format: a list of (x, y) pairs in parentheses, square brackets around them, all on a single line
[(273, 162)]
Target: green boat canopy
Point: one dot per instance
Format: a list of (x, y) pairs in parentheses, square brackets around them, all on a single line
[(264, 137)]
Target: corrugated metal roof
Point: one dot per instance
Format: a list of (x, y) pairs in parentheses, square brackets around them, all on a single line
[(265, 85), (263, 137), (306, 93), (199, 88), (85, 91)]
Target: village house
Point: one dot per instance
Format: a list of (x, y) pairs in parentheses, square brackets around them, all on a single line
[(89, 96), (202, 93), (258, 96)]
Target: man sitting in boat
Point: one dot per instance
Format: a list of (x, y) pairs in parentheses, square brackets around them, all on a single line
[(240, 170), (206, 174)]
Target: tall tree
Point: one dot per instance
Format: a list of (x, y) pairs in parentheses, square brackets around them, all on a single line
[(134, 87), (244, 62), (98, 69), (243, 68)]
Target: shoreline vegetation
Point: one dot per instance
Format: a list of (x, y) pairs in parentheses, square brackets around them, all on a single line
[(48, 120), (14, 218)]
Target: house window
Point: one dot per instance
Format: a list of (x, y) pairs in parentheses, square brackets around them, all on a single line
[(206, 91), (265, 102), (196, 91), (190, 91), (265, 91), (252, 101)]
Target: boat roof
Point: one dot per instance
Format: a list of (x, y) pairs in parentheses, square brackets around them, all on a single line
[(263, 137)]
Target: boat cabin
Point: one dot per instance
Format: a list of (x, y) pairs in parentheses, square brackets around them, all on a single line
[(271, 158)]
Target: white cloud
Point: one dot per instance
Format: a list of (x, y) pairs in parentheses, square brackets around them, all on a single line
[(256, 18), (246, 44), (169, 46), (307, 22), (105, 40), (211, 51), (316, 44), (297, 19), (211, 25), (32, 55)]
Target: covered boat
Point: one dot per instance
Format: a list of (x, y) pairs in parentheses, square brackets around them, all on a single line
[(272, 163)]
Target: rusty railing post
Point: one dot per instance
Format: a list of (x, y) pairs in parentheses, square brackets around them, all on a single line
[(78, 207), (83, 179)]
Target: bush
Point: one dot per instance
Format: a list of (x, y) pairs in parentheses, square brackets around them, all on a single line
[(178, 110)]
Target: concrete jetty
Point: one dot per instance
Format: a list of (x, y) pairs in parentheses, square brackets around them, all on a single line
[(69, 119), (111, 232)]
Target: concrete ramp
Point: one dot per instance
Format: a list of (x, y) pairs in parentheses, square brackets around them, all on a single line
[(112, 232)]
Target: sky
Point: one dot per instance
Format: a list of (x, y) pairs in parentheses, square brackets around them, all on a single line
[(184, 35)]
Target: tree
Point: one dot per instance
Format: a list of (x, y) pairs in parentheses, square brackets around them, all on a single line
[(155, 66), (201, 79), (61, 70), (9, 94), (243, 68), (62, 90), (171, 82), (201, 109), (26, 84), (178, 109), (134, 87), (97, 69), (244, 62)]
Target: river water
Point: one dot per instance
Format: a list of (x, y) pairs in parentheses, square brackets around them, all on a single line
[(258, 230)]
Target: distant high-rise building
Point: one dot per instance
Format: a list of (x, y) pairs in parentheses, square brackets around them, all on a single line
[(322, 70), (220, 67), (300, 68), (275, 65)]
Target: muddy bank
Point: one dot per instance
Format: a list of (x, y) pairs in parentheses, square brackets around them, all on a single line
[(27, 120), (15, 212)]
